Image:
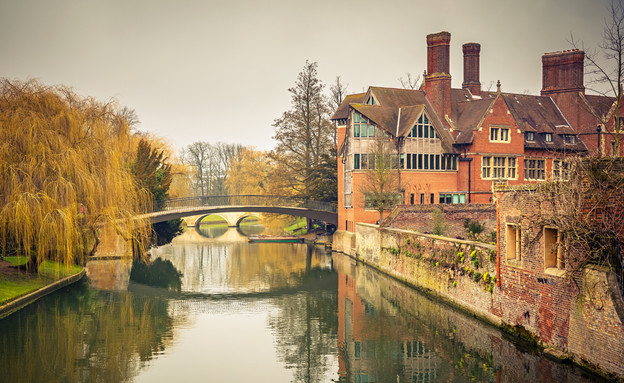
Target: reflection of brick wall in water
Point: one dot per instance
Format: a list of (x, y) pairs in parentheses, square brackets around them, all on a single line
[(438, 335)]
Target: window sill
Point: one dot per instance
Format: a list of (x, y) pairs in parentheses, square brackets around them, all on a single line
[(517, 263), (554, 271)]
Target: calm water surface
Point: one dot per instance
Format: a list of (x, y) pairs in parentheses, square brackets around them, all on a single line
[(256, 312)]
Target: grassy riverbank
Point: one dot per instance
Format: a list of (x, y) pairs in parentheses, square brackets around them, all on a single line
[(15, 283)]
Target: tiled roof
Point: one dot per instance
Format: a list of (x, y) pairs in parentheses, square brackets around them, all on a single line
[(458, 96), (343, 110), (385, 112), (409, 117), (469, 114), (600, 105), (540, 115), (383, 116), (537, 114), (395, 97)]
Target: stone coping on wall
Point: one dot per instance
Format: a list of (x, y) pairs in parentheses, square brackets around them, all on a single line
[(25, 300), (433, 236)]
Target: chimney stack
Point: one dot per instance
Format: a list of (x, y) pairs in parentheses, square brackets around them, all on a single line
[(471, 68), (438, 79), (562, 72), (562, 80)]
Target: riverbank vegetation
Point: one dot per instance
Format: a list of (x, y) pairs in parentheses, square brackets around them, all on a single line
[(72, 165), (15, 283)]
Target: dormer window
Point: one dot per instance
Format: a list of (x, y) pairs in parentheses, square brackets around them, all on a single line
[(569, 139), (371, 101), (530, 136), (548, 137)]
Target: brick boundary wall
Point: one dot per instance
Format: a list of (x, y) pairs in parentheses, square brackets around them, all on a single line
[(420, 218), (585, 326)]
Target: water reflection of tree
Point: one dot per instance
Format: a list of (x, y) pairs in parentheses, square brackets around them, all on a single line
[(84, 335), (306, 326)]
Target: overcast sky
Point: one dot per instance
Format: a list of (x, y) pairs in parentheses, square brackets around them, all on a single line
[(220, 70)]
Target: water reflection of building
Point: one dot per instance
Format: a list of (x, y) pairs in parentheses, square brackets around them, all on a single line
[(372, 347)]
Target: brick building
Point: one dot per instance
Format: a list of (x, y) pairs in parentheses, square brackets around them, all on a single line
[(451, 145)]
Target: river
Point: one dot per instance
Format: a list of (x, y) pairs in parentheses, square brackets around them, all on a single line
[(257, 312)]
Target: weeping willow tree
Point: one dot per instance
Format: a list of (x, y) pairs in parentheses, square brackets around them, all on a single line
[(65, 166)]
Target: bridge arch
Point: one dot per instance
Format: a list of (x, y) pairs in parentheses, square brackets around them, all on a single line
[(200, 218), (242, 217), (231, 219)]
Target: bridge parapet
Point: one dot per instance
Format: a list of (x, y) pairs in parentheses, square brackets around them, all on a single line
[(302, 207), (246, 200)]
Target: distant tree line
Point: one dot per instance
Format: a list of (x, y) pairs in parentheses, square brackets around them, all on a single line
[(209, 164), (303, 162)]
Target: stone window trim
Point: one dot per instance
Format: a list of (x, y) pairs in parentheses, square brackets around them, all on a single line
[(554, 263), (534, 169), (513, 244), (560, 170), (500, 134), (495, 166)]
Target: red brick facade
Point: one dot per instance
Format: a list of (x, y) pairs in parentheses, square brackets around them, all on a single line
[(477, 138)]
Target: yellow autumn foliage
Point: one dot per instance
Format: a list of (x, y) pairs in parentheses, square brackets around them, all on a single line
[(65, 172)]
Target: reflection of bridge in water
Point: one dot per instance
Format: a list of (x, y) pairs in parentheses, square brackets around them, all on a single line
[(206, 205)]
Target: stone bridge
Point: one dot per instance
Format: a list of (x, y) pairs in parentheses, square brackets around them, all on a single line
[(232, 219), (246, 204)]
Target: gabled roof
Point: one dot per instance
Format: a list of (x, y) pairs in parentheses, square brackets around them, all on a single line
[(399, 109), (459, 96), (395, 97), (409, 117), (540, 114), (469, 116), (599, 105), (383, 116), (343, 110)]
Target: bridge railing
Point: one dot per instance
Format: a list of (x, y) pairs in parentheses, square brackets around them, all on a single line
[(245, 200)]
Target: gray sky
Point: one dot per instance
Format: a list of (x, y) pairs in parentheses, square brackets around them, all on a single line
[(219, 70)]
